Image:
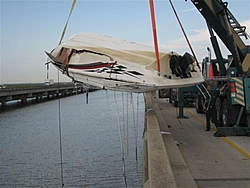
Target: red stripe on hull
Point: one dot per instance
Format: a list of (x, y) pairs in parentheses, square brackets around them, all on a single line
[(84, 67)]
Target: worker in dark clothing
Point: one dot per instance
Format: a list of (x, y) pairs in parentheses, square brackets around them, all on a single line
[(209, 108)]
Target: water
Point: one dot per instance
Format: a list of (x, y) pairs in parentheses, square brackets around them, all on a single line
[(91, 144)]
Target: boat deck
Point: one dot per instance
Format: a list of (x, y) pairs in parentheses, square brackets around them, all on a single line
[(209, 161)]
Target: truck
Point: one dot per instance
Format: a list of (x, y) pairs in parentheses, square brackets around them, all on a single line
[(231, 76), (49, 82), (189, 95)]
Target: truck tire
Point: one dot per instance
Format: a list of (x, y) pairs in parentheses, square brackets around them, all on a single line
[(198, 106), (225, 113), (218, 108)]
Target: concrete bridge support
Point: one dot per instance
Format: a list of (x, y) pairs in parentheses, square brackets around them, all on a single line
[(3, 101), (24, 99)]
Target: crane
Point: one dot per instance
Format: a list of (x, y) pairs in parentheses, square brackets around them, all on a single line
[(233, 100)]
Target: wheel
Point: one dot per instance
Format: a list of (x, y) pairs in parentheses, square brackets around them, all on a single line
[(217, 134), (198, 106), (218, 110), (248, 133), (225, 113)]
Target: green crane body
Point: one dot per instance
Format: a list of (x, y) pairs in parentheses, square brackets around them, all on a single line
[(233, 100)]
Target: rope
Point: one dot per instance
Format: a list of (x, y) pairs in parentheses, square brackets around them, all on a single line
[(123, 117), (145, 107), (133, 110), (87, 96), (138, 97), (127, 126), (184, 34), (137, 125), (59, 102), (60, 130), (121, 141)]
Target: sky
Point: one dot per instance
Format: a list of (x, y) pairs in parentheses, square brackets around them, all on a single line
[(30, 27)]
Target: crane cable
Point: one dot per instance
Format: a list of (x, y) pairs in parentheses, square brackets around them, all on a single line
[(184, 33), (151, 2)]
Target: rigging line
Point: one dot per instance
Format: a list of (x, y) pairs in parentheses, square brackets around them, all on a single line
[(60, 130), (145, 113), (87, 96), (138, 97), (127, 125), (121, 141), (177, 17), (59, 102), (123, 117), (137, 126), (107, 97), (135, 136)]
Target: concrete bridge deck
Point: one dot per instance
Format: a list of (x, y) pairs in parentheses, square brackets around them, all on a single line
[(180, 153)]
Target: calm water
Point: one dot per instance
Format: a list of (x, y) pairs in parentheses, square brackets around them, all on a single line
[(91, 144)]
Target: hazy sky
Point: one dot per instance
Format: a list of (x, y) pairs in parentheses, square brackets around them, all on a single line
[(30, 27)]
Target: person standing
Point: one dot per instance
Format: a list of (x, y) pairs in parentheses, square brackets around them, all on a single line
[(209, 108)]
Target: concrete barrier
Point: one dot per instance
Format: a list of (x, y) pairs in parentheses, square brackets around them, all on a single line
[(157, 167), (164, 165)]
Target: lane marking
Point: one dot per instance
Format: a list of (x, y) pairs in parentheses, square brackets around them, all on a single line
[(224, 138)]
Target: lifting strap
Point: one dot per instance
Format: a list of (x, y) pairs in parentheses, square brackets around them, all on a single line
[(65, 27), (151, 2)]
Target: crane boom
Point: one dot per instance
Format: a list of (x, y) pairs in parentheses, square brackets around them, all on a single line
[(228, 29)]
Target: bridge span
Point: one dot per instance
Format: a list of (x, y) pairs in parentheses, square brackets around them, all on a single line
[(23, 92)]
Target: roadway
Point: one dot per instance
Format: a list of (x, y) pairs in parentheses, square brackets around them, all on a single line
[(211, 161)]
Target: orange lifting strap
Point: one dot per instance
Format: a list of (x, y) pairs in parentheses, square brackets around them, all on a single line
[(155, 35)]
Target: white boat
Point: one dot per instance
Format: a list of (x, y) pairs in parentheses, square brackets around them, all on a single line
[(115, 64)]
